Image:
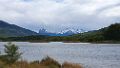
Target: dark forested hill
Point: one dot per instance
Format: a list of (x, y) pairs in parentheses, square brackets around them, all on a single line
[(11, 30), (110, 33)]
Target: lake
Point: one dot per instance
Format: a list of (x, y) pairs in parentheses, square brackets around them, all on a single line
[(89, 55)]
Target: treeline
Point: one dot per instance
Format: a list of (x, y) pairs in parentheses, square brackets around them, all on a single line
[(24, 38), (40, 38), (106, 34)]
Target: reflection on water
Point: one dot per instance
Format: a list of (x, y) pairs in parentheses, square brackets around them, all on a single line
[(90, 55)]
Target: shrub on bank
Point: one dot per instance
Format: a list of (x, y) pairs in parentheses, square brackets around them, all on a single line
[(50, 62), (11, 54)]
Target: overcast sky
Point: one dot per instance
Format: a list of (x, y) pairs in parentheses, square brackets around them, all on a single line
[(56, 15)]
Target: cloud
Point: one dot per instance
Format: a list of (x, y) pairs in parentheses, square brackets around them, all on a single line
[(56, 15), (113, 12)]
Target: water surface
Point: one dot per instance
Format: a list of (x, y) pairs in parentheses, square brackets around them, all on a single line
[(89, 55)]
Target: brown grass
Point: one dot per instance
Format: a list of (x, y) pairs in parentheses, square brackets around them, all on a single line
[(45, 63), (71, 65)]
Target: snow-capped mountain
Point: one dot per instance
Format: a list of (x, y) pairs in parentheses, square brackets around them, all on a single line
[(74, 31), (65, 32)]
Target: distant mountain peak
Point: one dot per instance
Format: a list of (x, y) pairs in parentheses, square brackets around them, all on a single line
[(66, 32)]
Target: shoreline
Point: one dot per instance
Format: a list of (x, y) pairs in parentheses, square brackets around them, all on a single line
[(104, 42)]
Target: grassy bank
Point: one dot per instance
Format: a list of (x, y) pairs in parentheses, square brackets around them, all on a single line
[(45, 63)]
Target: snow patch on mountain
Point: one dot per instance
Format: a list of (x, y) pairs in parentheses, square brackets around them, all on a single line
[(64, 32)]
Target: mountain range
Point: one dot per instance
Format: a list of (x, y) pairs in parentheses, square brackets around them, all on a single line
[(11, 30), (66, 32)]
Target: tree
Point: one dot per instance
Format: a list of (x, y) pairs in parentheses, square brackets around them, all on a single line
[(11, 54), (112, 32)]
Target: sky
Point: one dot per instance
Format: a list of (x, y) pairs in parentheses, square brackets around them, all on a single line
[(57, 15)]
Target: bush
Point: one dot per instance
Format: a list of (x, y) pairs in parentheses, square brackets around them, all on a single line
[(51, 63), (11, 54)]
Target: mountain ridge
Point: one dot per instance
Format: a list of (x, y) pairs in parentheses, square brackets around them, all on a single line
[(12, 30), (66, 32)]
